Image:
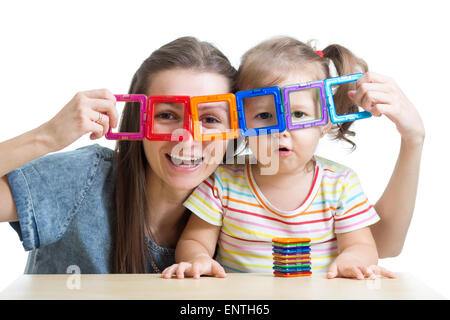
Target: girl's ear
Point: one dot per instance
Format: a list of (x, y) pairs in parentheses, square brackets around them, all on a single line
[(324, 130)]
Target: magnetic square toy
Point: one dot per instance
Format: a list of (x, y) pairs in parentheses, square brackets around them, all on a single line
[(233, 133), (323, 102), (334, 117), (142, 99), (275, 91), (151, 135)]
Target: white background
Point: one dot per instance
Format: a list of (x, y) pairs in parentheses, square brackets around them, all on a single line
[(52, 49)]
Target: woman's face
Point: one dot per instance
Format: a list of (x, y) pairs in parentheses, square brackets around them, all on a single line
[(184, 165)]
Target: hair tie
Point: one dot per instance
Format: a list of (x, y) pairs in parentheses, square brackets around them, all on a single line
[(320, 53)]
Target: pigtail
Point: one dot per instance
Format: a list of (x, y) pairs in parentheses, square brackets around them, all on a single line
[(346, 63)]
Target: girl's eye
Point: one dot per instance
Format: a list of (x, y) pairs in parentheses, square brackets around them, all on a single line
[(298, 114), (166, 116), (264, 116)]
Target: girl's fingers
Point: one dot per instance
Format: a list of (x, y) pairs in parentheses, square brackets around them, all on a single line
[(356, 271), (368, 273), (169, 271), (217, 270), (377, 270), (372, 77), (373, 98), (366, 98), (196, 270), (369, 101), (388, 111), (332, 271), (182, 268), (374, 86)]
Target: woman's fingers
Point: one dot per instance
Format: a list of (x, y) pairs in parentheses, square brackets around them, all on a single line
[(99, 94), (106, 107), (98, 119), (97, 130)]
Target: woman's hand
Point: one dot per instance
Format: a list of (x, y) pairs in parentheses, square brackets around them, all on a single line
[(89, 111), (203, 264), (379, 95)]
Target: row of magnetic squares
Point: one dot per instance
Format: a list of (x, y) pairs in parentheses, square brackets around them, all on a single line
[(237, 115)]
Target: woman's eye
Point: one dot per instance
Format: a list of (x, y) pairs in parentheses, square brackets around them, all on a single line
[(210, 120), (166, 116), (264, 116), (298, 114)]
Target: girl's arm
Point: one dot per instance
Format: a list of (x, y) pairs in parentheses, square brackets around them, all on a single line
[(380, 95), (195, 250), (74, 120), (357, 252)]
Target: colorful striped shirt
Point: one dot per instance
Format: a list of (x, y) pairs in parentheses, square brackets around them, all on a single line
[(231, 199)]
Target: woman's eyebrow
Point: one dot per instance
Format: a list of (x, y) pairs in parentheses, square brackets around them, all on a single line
[(207, 106), (173, 105)]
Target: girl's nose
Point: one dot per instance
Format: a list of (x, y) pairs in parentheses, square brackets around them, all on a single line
[(285, 134)]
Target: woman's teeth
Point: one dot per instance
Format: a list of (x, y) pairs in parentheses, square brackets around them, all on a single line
[(184, 161)]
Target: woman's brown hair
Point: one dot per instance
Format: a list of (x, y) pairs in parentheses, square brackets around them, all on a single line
[(268, 63), (130, 162)]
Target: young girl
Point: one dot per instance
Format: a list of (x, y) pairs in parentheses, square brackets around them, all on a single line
[(308, 196)]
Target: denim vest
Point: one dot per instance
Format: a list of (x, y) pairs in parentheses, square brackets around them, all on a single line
[(65, 206)]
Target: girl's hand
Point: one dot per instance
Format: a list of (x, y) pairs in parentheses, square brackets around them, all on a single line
[(350, 266), (379, 95), (89, 111), (203, 264)]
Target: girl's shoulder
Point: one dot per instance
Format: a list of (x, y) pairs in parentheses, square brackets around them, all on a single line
[(331, 167), (230, 170)]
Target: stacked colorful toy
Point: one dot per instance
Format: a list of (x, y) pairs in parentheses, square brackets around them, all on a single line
[(291, 257)]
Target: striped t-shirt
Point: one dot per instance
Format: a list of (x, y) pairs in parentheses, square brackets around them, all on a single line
[(231, 199)]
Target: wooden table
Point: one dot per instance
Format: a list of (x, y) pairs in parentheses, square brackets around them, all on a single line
[(233, 287)]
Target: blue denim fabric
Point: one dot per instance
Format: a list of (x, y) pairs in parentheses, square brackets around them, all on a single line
[(66, 212)]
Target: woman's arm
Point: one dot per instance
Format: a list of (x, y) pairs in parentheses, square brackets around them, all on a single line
[(396, 205), (13, 154), (381, 95), (195, 250), (74, 120)]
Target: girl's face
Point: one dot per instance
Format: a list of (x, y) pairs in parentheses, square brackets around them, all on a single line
[(184, 165), (291, 151)]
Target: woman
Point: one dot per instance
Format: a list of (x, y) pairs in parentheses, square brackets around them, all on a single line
[(122, 212)]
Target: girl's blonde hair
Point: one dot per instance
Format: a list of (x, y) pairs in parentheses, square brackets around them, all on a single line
[(271, 61)]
